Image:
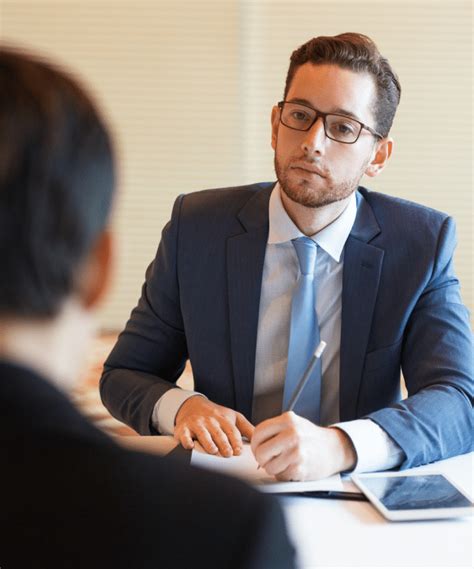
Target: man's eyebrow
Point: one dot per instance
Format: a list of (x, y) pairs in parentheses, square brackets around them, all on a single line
[(340, 111), (336, 110)]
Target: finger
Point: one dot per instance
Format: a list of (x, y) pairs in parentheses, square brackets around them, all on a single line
[(290, 473), (244, 426), (220, 438), (205, 439), (282, 462), (278, 446), (185, 438), (234, 436), (270, 428)]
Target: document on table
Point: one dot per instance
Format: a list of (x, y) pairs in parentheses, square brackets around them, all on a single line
[(245, 466)]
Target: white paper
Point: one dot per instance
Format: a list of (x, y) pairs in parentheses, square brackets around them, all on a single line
[(245, 467)]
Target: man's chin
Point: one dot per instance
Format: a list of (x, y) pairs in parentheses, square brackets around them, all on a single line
[(311, 198), (314, 197)]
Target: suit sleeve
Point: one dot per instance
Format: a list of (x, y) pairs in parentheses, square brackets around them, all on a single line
[(435, 421), (151, 352)]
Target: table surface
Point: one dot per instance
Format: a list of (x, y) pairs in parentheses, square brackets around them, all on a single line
[(330, 533), (337, 533)]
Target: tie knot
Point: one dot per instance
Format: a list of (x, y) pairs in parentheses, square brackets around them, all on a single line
[(306, 250)]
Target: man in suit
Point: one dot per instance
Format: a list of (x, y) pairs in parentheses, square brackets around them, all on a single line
[(224, 291), (70, 496)]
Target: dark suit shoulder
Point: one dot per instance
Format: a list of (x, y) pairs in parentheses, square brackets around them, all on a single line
[(388, 206), (71, 497), (409, 226), (128, 509), (197, 500), (158, 503), (217, 201)]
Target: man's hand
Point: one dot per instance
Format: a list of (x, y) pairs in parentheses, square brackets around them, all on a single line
[(217, 428), (292, 448)]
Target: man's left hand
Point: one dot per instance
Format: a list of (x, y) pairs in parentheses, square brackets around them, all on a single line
[(290, 447)]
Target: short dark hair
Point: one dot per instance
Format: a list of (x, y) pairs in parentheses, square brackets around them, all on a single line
[(57, 178), (356, 52)]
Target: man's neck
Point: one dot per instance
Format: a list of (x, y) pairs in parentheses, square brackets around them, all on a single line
[(313, 220), (54, 348)]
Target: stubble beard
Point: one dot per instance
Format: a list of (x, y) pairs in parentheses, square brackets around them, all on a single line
[(303, 193)]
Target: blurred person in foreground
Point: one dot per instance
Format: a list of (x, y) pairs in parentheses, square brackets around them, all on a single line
[(70, 497), (248, 280)]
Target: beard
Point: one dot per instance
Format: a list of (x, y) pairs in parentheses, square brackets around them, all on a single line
[(314, 195)]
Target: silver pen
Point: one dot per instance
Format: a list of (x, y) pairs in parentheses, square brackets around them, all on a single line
[(307, 374)]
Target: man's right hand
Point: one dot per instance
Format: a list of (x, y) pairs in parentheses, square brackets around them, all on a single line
[(217, 428)]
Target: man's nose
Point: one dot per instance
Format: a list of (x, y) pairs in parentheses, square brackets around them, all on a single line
[(315, 138)]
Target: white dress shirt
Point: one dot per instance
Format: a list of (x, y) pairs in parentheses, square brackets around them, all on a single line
[(375, 449)]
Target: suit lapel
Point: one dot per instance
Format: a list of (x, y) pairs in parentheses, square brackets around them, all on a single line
[(361, 277), (245, 258)]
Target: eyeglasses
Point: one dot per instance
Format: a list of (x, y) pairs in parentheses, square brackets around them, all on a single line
[(336, 127)]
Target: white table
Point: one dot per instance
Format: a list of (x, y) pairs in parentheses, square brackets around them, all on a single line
[(336, 533)]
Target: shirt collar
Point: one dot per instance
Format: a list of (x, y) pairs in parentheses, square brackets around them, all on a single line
[(332, 238)]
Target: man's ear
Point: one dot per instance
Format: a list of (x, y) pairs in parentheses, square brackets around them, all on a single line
[(380, 156), (95, 271), (275, 120)]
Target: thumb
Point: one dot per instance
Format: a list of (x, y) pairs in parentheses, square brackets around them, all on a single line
[(244, 426)]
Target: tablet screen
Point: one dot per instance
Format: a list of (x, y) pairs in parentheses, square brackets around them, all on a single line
[(430, 491)]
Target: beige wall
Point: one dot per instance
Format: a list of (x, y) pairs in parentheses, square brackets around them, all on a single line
[(189, 85)]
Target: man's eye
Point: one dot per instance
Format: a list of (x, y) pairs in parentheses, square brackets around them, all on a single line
[(344, 128), (299, 116)]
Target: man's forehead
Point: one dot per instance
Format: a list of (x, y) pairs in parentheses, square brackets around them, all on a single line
[(331, 88)]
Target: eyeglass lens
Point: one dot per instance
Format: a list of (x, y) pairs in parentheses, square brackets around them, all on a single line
[(339, 128)]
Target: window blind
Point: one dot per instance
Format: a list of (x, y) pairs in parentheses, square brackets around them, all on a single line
[(189, 86)]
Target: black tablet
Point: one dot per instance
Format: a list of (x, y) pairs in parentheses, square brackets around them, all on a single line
[(414, 496)]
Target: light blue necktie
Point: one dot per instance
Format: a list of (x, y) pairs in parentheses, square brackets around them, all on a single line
[(304, 335)]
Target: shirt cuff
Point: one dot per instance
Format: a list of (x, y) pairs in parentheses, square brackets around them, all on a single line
[(374, 448), (167, 407)]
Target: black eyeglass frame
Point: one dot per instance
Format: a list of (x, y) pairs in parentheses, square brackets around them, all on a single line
[(324, 115)]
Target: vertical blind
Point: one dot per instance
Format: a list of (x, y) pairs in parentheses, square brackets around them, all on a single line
[(188, 88)]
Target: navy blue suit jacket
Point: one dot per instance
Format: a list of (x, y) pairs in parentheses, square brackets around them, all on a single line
[(401, 310), (72, 498)]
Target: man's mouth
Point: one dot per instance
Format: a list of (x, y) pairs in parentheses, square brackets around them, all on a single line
[(310, 168)]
